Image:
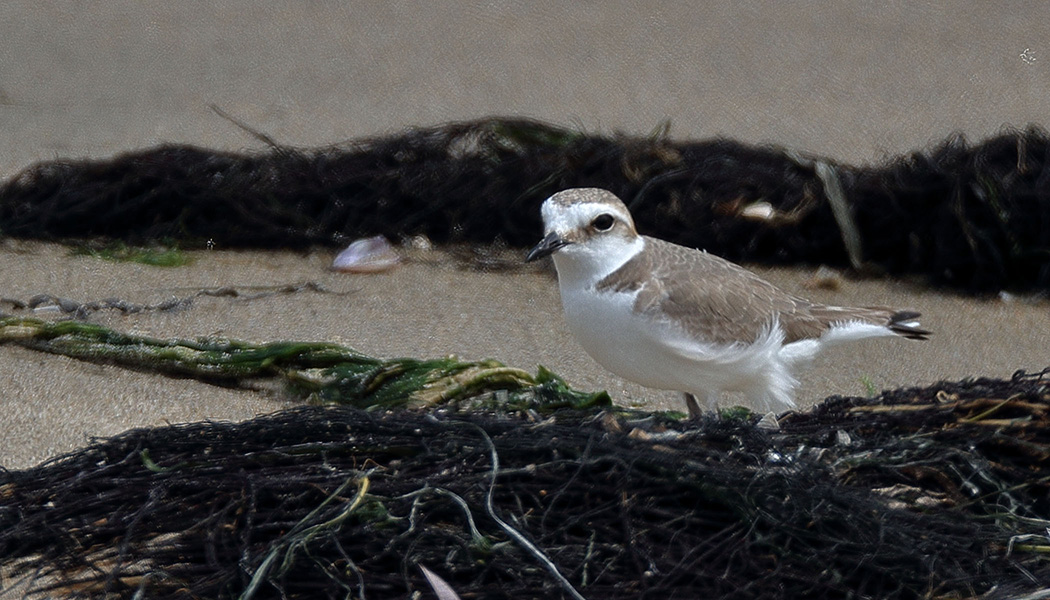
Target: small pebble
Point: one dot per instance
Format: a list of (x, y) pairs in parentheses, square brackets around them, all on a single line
[(825, 278)]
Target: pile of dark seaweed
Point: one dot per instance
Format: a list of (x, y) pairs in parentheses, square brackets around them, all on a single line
[(973, 217), (939, 492)]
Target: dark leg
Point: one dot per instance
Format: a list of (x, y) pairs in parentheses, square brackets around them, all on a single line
[(693, 406)]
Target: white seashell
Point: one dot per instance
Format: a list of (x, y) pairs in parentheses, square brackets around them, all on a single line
[(441, 588), (758, 211), (769, 422), (367, 255), (48, 308)]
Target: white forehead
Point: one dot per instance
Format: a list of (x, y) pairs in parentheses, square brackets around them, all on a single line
[(575, 208)]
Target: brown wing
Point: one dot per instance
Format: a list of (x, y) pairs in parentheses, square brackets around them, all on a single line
[(710, 297), (716, 300)]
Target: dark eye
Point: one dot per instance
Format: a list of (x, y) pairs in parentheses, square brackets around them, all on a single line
[(603, 222)]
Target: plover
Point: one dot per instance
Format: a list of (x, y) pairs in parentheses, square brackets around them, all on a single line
[(674, 318)]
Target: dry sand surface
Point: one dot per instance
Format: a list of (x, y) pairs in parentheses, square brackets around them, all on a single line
[(429, 306), (854, 81)]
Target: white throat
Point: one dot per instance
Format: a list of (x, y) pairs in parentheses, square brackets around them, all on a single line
[(583, 265)]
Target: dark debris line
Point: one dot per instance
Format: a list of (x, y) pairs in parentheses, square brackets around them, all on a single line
[(921, 493), (47, 303), (972, 217)]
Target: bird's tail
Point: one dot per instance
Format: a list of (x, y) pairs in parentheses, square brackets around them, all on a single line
[(844, 323), (906, 323)]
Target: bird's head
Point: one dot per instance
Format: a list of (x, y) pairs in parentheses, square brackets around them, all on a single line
[(587, 228)]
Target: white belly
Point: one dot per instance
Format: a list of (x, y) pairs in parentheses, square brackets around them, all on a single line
[(659, 355)]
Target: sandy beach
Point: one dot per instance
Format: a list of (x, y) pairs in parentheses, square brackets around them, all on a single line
[(429, 306), (851, 81)]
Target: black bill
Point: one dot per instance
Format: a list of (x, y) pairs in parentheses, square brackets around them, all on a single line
[(546, 247)]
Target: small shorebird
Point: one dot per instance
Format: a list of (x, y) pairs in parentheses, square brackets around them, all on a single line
[(674, 318)]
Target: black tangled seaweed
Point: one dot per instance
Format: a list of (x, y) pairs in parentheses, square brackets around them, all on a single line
[(972, 217)]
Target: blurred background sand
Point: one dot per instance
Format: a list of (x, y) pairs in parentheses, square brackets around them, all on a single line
[(853, 81)]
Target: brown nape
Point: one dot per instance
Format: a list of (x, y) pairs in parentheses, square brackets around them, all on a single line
[(898, 325)]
